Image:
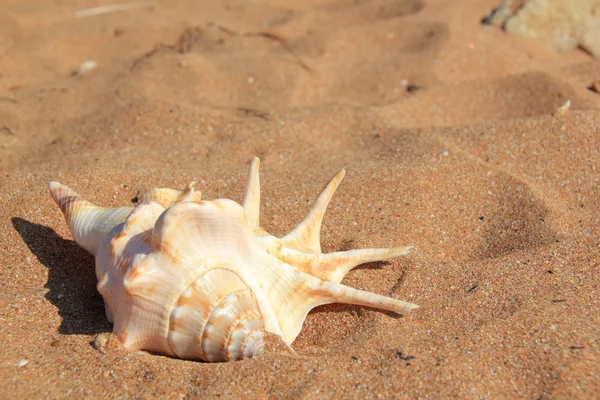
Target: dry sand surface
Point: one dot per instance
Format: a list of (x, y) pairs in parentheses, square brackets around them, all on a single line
[(447, 129)]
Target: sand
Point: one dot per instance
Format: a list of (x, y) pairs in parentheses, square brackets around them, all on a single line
[(448, 132)]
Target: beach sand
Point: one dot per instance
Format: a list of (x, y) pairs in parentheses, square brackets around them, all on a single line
[(452, 143)]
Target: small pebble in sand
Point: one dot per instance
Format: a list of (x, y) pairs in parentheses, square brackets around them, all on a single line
[(100, 341), (412, 88), (85, 67), (22, 363), (110, 373), (564, 109)]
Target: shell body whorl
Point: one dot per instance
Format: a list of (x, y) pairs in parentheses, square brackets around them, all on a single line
[(171, 288), (198, 279)]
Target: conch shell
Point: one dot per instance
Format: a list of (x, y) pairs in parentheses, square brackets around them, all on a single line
[(200, 279)]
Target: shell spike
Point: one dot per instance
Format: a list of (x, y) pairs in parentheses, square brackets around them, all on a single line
[(168, 197), (316, 292), (306, 235), (252, 198), (191, 194), (340, 263), (88, 223), (334, 266), (337, 293), (67, 199)]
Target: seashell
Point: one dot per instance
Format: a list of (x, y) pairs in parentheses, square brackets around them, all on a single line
[(200, 279)]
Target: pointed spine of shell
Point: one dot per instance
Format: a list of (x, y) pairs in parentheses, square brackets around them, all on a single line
[(88, 223), (334, 266), (306, 236), (310, 292), (252, 197), (168, 197)]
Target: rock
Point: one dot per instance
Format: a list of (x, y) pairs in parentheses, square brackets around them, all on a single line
[(559, 25)]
